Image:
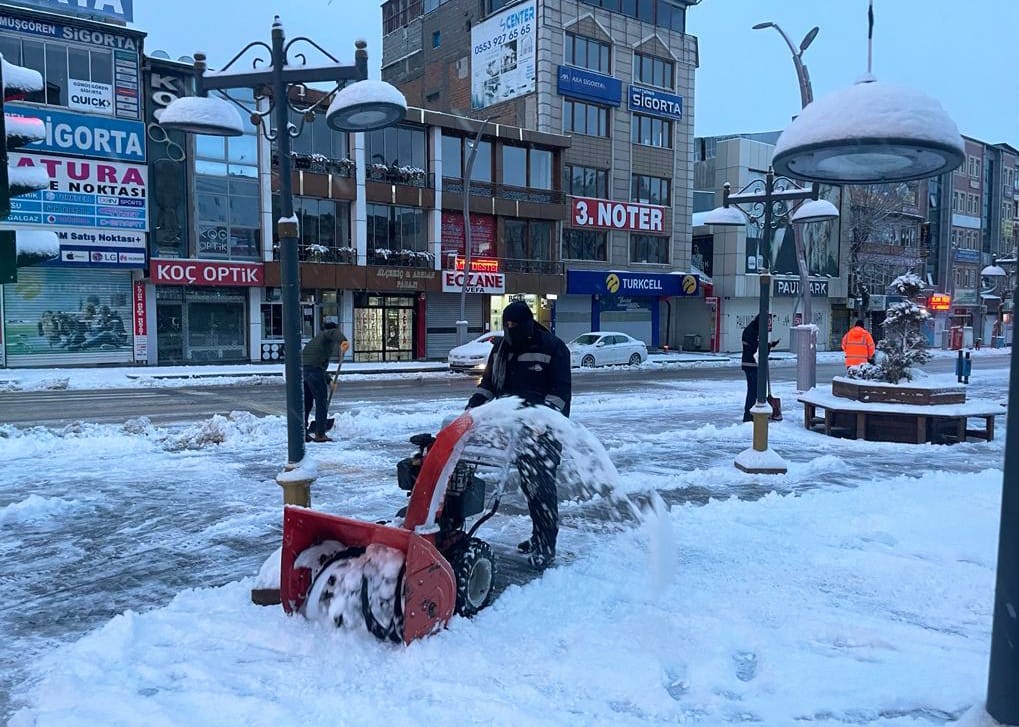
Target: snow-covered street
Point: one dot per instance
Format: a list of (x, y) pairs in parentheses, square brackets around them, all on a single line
[(856, 589)]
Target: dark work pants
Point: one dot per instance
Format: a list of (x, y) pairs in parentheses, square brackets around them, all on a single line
[(316, 389), (751, 374), (538, 464)]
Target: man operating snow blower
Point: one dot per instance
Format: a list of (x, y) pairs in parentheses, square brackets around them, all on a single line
[(533, 364)]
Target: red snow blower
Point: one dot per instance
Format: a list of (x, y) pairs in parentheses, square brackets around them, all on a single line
[(401, 582)]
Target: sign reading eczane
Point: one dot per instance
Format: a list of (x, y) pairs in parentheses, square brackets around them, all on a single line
[(654, 102), (609, 215)]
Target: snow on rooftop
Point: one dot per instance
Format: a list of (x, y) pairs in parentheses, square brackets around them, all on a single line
[(871, 109)]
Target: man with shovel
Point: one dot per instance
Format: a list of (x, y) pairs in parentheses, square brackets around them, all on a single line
[(315, 360)]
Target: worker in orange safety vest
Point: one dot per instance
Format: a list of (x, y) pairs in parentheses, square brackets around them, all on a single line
[(858, 345)]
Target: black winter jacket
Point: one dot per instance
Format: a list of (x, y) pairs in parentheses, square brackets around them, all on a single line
[(539, 375), (751, 340)]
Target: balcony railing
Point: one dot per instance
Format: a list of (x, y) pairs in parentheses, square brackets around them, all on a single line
[(383, 257), (455, 185), (535, 267), (401, 258), (320, 163), (321, 254), (398, 174)]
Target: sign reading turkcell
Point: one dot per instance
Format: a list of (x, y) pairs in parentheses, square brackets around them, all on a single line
[(600, 282), (122, 10), (578, 83), (655, 102), (90, 136)]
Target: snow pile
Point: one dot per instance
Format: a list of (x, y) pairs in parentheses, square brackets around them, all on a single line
[(35, 510), (212, 431)]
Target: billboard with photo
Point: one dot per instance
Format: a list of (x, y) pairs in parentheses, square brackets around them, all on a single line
[(502, 56)]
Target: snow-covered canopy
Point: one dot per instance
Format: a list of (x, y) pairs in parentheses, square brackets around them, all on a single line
[(993, 271), (724, 217), (202, 115), (905, 132)]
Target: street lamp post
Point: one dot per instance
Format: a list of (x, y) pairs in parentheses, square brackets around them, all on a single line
[(805, 343), (768, 201), (461, 324), (355, 104)]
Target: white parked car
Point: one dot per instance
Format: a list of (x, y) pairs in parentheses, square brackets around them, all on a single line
[(472, 357), (602, 348)]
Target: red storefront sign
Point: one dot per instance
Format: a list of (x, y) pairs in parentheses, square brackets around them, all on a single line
[(608, 215), (139, 314), (939, 301), (482, 234), (478, 264), (206, 272)]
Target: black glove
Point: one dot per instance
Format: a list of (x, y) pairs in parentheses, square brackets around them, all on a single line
[(476, 400)]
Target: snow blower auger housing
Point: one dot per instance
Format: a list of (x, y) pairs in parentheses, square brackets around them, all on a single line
[(401, 582)]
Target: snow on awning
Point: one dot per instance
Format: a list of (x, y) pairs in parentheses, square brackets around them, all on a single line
[(698, 218), (42, 243)]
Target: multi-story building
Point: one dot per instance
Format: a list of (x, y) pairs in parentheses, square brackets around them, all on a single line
[(617, 77), (78, 307), (737, 255)]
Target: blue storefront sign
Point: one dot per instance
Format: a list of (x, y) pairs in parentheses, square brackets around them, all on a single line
[(588, 86), (600, 282), (967, 256), (654, 102), (98, 137), (122, 10)]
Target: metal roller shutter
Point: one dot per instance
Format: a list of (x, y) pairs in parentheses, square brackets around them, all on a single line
[(60, 317), (442, 311), (572, 316)]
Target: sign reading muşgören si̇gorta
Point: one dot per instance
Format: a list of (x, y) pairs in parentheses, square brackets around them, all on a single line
[(502, 56)]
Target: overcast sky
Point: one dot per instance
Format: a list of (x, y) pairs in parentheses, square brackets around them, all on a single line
[(965, 53)]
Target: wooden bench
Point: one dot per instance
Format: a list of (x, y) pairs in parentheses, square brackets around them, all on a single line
[(914, 423)]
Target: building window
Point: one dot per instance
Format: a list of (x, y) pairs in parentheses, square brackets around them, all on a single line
[(651, 190), (325, 230), (452, 157), (398, 13), (436, 38), (527, 245), (587, 181), (650, 131), (651, 249), (581, 244), (59, 64), (974, 167), (585, 118), (653, 71), (396, 236), (396, 154), (667, 14), (587, 53), (317, 140), (523, 167)]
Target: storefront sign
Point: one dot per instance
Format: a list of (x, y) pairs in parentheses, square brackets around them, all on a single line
[(206, 272), (589, 86), (791, 288), (394, 278), (478, 264), (654, 102), (965, 296), (66, 32), (83, 193), (101, 248), (502, 55), (141, 340), (122, 10), (90, 96), (939, 301), (609, 215), (482, 234), (86, 136), (967, 256), (595, 282), (488, 283)]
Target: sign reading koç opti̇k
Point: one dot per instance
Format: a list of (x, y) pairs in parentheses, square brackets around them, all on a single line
[(89, 136)]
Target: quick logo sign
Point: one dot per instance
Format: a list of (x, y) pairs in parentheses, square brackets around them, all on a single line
[(88, 136)]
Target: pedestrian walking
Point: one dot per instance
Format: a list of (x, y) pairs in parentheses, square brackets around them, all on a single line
[(751, 342), (532, 363), (315, 360), (858, 345)]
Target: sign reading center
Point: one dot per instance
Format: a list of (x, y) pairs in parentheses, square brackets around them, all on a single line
[(206, 272), (609, 215)]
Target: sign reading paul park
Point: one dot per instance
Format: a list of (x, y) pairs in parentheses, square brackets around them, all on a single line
[(502, 56)]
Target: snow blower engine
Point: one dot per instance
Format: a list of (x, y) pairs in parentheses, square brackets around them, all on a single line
[(404, 581)]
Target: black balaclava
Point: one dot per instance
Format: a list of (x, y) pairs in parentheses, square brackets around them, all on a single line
[(518, 313)]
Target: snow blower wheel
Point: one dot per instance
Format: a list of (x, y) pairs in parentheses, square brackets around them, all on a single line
[(474, 568)]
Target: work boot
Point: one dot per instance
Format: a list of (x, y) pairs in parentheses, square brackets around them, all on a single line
[(540, 560), (526, 546), (321, 438)]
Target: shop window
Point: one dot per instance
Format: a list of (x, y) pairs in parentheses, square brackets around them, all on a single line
[(396, 236), (585, 244), (228, 217), (650, 249)]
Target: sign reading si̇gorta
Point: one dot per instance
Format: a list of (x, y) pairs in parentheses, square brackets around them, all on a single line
[(488, 283), (654, 102), (86, 136), (206, 272)]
